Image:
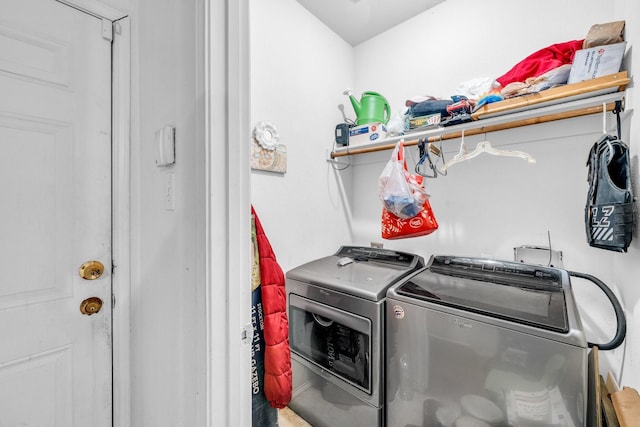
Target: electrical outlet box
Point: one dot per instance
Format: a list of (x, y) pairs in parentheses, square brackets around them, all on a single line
[(538, 255)]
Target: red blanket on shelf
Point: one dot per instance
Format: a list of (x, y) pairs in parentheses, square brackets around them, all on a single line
[(541, 61)]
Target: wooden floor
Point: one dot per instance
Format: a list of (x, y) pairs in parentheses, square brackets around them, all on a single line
[(288, 418)]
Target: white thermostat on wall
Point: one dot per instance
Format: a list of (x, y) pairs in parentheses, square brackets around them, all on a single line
[(165, 140)]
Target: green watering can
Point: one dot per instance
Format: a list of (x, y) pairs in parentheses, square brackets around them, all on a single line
[(372, 108)]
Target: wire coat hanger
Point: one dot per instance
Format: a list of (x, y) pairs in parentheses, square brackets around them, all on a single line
[(424, 155), (439, 152), (424, 148), (461, 156), (485, 147), (605, 134)]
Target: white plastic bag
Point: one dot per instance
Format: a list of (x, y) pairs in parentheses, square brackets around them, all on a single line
[(399, 123), (401, 192), (475, 88)]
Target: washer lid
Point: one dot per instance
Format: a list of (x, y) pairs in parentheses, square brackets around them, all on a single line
[(360, 271), (527, 294)]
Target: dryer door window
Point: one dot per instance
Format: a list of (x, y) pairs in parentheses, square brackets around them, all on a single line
[(333, 339)]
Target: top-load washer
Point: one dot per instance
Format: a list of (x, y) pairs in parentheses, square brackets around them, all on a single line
[(336, 334), (477, 342)]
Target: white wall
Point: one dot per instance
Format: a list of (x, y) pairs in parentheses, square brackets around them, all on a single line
[(299, 69), (486, 206), (165, 278), (189, 366)]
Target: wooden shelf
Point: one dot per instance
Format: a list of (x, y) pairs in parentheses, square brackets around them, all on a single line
[(571, 92), (568, 101)]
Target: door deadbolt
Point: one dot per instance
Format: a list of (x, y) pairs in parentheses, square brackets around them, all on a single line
[(90, 306), (91, 270)]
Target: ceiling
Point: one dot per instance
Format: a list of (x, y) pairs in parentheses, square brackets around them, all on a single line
[(359, 20)]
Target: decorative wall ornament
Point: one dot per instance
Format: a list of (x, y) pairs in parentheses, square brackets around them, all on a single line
[(267, 154)]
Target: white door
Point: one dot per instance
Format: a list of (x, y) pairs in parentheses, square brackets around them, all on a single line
[(55, 215)]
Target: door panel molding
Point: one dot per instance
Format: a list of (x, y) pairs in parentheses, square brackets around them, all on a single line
[(48, 60), (56, 394), (29, 280)]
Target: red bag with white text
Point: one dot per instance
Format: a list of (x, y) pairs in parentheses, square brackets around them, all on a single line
[(422, 224)]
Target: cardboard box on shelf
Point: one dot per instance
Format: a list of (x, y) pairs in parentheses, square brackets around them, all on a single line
[(365, 134), (596, 62)]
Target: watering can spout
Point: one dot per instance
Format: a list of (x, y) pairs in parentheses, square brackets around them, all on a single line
[(354, 102)]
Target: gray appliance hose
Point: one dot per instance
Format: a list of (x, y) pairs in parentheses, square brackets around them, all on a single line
[(621, 322)]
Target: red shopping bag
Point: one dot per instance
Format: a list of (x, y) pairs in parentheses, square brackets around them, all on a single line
[(394, 227)]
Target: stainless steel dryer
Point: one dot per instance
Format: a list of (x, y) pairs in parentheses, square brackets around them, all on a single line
[(336, 333), (476, 342)]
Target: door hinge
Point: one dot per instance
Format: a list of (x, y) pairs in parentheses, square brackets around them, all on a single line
[(246, 334), (107, 30)]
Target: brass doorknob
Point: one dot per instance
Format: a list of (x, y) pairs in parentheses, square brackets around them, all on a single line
[(90, 306), (91, 270)]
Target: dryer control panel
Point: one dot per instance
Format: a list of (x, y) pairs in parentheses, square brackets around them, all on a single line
[(523, 293), (400, 259), (503, 272)]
